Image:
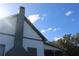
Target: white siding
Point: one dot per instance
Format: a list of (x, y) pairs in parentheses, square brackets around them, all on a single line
[(8, 41), (29, 32), (7, 25), (35, 44)]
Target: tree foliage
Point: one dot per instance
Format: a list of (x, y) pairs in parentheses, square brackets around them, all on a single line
[(70, 43)]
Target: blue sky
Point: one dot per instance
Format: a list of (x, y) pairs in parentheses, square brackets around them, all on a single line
[(52, 20)]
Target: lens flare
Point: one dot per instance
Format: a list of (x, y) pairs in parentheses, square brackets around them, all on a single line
[(3, 12)]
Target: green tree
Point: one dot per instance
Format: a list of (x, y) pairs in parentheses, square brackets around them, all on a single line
[(67, 43)]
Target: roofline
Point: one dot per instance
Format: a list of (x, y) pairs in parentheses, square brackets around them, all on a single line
[(40, 34), (9, 16), (35, 29), (53, 46)]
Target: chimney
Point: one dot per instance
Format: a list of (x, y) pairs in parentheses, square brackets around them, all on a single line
[(22, 11), (18, 49), (19, 27)]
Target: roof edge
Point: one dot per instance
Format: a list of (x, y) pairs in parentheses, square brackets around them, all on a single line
[(35, 29)]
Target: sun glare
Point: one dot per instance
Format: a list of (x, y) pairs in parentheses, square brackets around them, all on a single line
[(3, 12)]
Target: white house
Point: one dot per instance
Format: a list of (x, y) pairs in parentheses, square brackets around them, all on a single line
[(19, 37)]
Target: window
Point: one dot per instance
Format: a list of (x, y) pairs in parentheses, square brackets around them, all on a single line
[(32, 51), (48, 53), (2, 48)]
